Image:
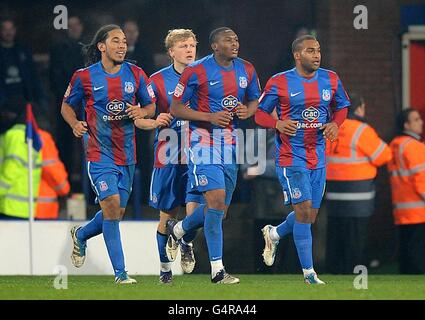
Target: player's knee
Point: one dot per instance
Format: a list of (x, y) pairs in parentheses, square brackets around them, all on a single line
[(164, 216), (217, 204), (216, 199), (225, 212), (111, 207), (122, 212)]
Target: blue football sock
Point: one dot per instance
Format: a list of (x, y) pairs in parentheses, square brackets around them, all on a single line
[(161, 240), (195, 220), (214, 233), (111, 234), (190, 236), (92, 228), (192, 223), (286, 226), (304, 243)]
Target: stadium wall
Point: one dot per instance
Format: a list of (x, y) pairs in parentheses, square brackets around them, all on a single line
[(368, 62), (52, 247)]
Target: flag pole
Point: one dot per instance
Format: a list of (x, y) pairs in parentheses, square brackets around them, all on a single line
[(30, 196), (30, 202)]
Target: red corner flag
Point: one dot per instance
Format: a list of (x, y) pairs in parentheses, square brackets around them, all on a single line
[(31, 130)]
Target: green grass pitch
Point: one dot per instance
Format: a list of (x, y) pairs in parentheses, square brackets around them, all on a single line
[(194, 287)]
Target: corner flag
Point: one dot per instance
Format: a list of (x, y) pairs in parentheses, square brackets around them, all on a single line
[(31, 130)]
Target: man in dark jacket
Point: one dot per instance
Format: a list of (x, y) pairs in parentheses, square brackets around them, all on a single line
[(18, 76)]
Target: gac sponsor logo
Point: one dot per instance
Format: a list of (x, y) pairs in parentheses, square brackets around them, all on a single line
[(229, 103), (180, 123), (115, 106), (310, 114), (313, 125), (115, 118)]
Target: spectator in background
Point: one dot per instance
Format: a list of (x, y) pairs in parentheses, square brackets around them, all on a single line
[(352, 165), (14, 161), (65, 58), (54, 178), (407, 171), (139, 54), (18, 76), (138, 51)]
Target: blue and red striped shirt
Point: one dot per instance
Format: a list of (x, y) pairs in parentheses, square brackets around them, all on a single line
[(163, 84), (209, 87), (311, 103), (111, 133)]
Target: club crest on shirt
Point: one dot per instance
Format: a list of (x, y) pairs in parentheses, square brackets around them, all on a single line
[(115, 106), (243, 82), (229, 103), (128, 87), (203, 181), (154, 198), (296, 193), (150, 91), (103, 186), (179, 90), (326, 94)]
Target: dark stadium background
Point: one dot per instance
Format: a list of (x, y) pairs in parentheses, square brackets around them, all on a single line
[(368, 62)]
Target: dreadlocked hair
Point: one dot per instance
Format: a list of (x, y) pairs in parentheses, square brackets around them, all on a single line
[(91, 51)]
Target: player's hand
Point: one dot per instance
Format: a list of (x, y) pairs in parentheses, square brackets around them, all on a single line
[(287, 126), (221, 119), (330, 131), (242, 111), (135, 112), (79, 128), (163, 120)]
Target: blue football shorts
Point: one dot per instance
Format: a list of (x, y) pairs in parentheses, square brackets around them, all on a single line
[(206, 177), (170, 188), (302, 184), (108, 179)]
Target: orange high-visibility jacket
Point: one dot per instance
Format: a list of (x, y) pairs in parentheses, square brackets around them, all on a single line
[(356, 154), (54, 180), (407, 171)]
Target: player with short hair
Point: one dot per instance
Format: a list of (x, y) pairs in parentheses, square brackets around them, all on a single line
[(110, 90), (170, 188), (303, 98), (216, 88)]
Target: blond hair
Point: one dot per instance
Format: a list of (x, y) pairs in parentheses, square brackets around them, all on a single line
[(176, 35)]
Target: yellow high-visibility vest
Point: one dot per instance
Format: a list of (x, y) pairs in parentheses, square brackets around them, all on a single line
[(14, 173)]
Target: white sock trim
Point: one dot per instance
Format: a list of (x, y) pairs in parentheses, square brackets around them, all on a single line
[(216, 266), (306, 272), (274, 236), (178, 230), (165, 266)]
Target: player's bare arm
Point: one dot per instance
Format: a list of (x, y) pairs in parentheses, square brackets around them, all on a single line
[(287, 126), (163, 120), (179, 110), (136, 112), (79, 128), (330, 130), (246, 111)]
